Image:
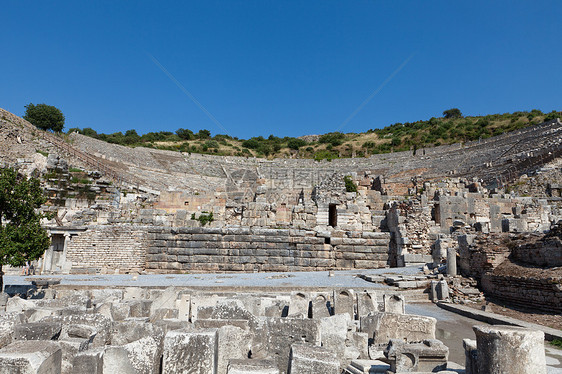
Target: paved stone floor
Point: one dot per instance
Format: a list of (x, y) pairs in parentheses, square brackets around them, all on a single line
[(288, 280)]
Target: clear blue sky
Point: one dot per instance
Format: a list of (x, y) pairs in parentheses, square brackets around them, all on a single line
[(281, 67)]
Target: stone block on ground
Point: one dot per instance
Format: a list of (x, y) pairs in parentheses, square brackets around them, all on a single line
[(190, 351), (381, 327), (90, 361), (394, 304), (31, 357), (248, 366), (38, 331), (427, 356), (311, 359), (344, 302), (280, 333)]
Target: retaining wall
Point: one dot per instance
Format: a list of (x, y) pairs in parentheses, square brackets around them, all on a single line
[(544, 294), (176, 250)]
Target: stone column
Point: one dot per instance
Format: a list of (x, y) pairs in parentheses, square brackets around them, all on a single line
[(451, 261), (510, 350), (64, 265), (47, 257)]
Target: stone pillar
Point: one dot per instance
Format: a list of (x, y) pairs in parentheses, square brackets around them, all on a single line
[(451, 261), (63, 264), (47, 257), (510, 350)]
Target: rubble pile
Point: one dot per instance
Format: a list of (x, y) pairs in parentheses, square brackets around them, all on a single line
[(174, 330)]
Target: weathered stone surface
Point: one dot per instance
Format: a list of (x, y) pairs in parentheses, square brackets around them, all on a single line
[(38, 331), (280, 333), (31, 357), (233, 343), (381, 327), (90, 361), (510, 350), (252, 367), (310, 359), (116, 360), (427, 356), (394, 304), (190, 351)]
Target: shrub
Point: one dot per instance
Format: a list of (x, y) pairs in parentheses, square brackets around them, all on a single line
[(350, 186)]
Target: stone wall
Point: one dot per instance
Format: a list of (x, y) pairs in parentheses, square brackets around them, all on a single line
[(106, 249), (177, 250), (538, 292)]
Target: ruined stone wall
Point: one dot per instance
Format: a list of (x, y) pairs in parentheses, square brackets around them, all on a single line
[(536, 292), (108, 248), (245, 249)]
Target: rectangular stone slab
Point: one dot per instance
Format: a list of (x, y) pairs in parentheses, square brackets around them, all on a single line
[(31, 357)]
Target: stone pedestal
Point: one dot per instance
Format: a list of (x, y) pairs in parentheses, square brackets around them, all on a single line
[(510, 350)]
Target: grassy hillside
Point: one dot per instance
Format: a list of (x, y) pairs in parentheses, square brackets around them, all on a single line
[(397, 137)]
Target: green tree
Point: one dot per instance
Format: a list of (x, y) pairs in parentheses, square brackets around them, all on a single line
[(452, 113), (185, 134), (21, 236), (204, 134), (44, 117)]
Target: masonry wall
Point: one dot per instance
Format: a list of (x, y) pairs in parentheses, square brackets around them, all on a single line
[(539, 293), (107, 248), (176, 250)]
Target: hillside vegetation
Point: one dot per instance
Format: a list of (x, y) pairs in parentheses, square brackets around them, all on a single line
[(451, 128)]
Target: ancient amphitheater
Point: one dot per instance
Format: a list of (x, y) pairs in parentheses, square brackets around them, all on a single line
[(118, 291)]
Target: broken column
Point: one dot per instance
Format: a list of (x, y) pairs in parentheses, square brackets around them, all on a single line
[(510, 350), (452, 261)]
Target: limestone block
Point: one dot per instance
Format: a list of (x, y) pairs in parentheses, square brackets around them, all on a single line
[(394, 304), (37, 331), (126, 332), (90, 361), (166, 299), (18, 305), (248, 366), (298, 306), (280, 333), (233, 343), (7, 322), (344, 302), (333, 334), (120, 311), (100, 323), (381, 327), (144, 354), (510, 350), (30, 357), (366, 303), (427, 356), (320, 307), (116, 360), (190, 351), (70, 348), (310, 359), (471, 356)]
